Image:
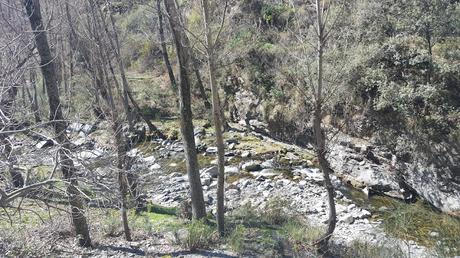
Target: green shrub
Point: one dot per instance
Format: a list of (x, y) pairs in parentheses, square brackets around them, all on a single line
[(276, 211), (299, 234), (111, 223), (155, 208), (422, 224), (278, 15), (198, 235), (247, 215), (237, 238), (366, 250)]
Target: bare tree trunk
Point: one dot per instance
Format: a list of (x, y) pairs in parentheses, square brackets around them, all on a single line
[(122, 177), (320, 134), (216, 112), (124, 81), (33, 96), (107, 94), (199, 82), (127, 94), (183, 54), (194, 64), (429, 43), (6, 149), (49, 74), (164, 49)]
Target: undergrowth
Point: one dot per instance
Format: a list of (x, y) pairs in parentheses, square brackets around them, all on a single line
[(421, 223)]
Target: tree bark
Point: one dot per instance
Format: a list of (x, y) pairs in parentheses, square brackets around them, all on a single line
[(33, 97), (183, 54), (164, 49), (319, 133), (127, 94), (216, 114), (49, 74), (124, 82), (199, 82), (108, 96)]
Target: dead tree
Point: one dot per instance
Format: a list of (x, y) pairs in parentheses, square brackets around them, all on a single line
[(103, 85), (49, 74)]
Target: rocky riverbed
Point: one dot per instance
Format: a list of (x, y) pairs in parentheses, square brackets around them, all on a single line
[(259, 172), (258, 169)]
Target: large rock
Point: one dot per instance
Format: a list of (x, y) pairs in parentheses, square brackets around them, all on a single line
[(251, 166), (44, 144), (269, 163), (79, 127), (87, 154), (211, 150), (356, 170), (380, 172), (211, 171), (247, 106), (267, 172), (231, 170), (309, 174), (441, 193)]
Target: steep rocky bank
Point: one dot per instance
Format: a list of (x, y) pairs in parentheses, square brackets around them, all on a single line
[(367, 164)]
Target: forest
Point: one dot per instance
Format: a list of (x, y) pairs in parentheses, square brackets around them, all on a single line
[(230, 128)]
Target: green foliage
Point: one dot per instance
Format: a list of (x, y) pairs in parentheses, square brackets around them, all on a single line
[(199, 235), (420, 223), (150, 222), (237, 239), (247, 215), (400, 80), (111, 223), (158, 209), (241, 38), (364, 250), (276, 211), (299, 234), (277, 14)]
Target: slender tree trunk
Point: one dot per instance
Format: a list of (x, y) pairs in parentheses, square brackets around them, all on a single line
[(121, 66), (127, 94), (216, 114), (199, 82), (122, 177), (198, 207), (33, 96), (6, 149), (320, 134), (107, 94), (164, 49), (430, 53), (194, 64), (49, 74)]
